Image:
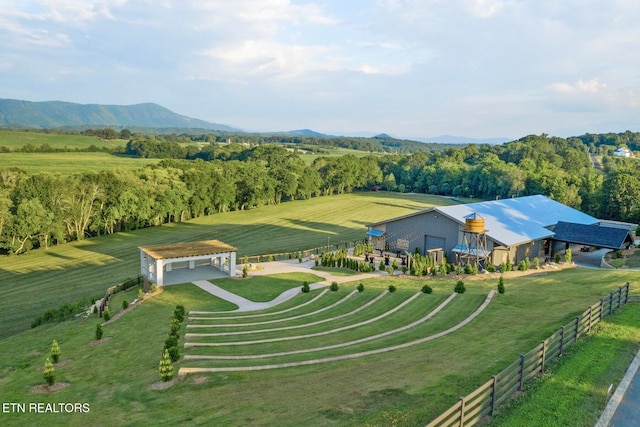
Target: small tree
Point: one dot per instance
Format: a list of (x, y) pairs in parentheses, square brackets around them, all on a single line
[(404, 269), (166, 367), (556, 258), (305, 287), (334, 286), (427, 289), (390, 270), (501, 285), (394, 264), (179, 313), (360, 287), (459, 288), (55, 351), (125, 304), (536, 263), (392, 288), (567, 256), (140, 294), (49, 372), (381, 267), (99, 331), (245, 271), (106, 314)]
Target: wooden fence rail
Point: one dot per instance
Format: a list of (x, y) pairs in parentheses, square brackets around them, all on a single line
[(469, 410), (295, 254)]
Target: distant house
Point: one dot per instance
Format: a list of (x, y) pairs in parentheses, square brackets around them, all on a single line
[(510, 229), (623, 152)]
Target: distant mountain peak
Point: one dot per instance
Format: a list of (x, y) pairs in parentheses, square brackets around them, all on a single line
[(61, 114)]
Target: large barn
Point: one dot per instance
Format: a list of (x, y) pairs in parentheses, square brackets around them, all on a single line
[(496, 231)]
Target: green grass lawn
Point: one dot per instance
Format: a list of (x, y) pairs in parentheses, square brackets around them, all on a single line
[(43, 279), (18, 139), (69, 163), (263, 288), (405, 387), (573, 391)]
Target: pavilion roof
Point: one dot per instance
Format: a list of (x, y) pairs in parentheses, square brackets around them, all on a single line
[(187, 249)]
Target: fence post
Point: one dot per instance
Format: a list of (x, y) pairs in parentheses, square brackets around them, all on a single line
[(493, 394), (461, 424), (626, 295), (561, 340), (575, 337), (521, 373), (610, 303), (589, 322), (544, 355), (601, 308), (619, 296)]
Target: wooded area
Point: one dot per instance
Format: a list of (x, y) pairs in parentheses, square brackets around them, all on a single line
[(40, 210)]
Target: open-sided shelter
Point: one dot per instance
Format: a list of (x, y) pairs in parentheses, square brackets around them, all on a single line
[(157, 260)]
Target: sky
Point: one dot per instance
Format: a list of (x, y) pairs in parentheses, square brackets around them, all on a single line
[(409, 68)]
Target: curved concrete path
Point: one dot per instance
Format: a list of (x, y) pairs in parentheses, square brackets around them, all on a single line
[(276, 267), (463, 323)]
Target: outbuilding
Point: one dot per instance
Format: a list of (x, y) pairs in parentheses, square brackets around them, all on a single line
[(182, 262), (511, 229)]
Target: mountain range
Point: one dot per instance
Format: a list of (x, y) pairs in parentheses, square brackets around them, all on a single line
[(58, 114), (154, 118)]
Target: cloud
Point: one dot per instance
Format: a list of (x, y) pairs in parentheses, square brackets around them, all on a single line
[(590, 86)]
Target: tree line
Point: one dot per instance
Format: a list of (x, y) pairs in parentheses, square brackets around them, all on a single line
[(41, 210)]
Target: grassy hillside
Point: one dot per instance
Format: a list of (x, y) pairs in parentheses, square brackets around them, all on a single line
[(17, 139), (118, 378), (70, 163), (42, 279)]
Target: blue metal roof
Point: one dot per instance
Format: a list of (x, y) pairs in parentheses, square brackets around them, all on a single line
[(375, 233), (519, 220)]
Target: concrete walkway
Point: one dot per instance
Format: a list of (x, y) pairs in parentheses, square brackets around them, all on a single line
[(277, 267)]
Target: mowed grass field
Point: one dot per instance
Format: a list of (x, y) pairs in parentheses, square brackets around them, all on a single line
[(69, 163), (119, 378), (43, 279), (17, 139)]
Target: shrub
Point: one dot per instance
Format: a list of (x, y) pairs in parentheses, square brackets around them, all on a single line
[(381, 267), (55, 351), (468, 269), (618, 253), (316, 261), (501, 285), (140, 294), (95, 309), (174, 327), (106, 314), (404, 269), (556, 259), (179, 313), (392, 288), (174, 353), (427, 289), (522, 266), (99, 331), (394, 264), (459, 288), (245, 271), (390, 270), (491, 268), (360, 287), (503, 267), (166, 367), (567, 256), (305, 287), (49, 372), (171, 341), (300, 259), (536, 263), (334, 286), (154, 287), (125, 304)]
